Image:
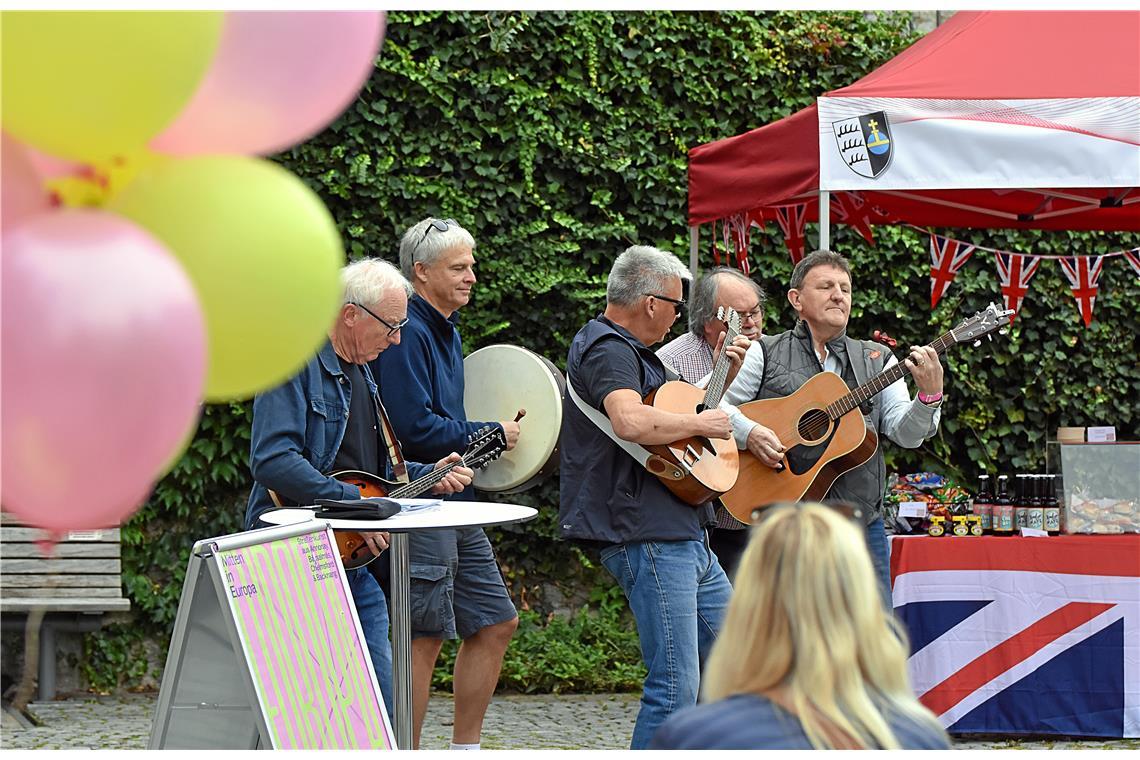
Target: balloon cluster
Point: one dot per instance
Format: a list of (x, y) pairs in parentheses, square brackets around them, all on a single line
[(150, 260)]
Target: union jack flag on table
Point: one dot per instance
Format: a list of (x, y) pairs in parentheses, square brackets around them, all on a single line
[(1023, 635)]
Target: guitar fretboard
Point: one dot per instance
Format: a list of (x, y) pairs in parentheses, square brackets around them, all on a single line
[(880, 382), (418, 486), (715, 389)]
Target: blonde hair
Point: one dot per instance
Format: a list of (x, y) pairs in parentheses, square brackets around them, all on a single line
[(806, 621)]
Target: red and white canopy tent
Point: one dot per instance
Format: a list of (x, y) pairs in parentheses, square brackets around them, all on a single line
[(1015, 119)]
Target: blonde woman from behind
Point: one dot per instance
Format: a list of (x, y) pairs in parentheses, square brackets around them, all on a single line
[(807, 657)]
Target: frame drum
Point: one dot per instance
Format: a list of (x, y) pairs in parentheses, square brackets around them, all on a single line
[(500, 380)]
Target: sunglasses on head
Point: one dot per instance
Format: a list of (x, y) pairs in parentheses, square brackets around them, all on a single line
[(441, 225)]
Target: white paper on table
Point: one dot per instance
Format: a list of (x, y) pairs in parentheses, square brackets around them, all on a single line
[(409, 506), (1034, 532), (912, 509), (1102, 434)]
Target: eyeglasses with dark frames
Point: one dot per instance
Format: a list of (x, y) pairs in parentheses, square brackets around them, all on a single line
[(678, 303), (753, 314), (392, 328)]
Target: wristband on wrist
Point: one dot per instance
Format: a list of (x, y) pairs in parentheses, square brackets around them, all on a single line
[(932, 398)]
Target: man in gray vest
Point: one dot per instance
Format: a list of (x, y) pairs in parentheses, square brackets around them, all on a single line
[(777, 365)]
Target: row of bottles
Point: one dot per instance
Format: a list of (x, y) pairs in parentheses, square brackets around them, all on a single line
[(1032, 504)]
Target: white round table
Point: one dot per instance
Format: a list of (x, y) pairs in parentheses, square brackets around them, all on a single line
[(446, 514)]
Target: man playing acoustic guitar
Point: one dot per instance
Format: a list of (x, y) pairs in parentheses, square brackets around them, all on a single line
[(776, 366), (652, 542), (691, 355), (326, 419)]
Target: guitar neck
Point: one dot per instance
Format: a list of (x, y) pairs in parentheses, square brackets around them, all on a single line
[(418, 486), (714, 391), (880, 382)]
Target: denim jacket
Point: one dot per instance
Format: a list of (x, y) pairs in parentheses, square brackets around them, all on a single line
[(297, 431)]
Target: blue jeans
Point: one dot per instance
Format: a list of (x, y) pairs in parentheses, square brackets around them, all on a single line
[(678, 593), (372, 609), (880, 559)]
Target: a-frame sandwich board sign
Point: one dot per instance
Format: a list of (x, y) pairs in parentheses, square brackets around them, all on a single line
[(267, 650)]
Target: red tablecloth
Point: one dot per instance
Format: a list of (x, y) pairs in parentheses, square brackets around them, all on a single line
[(1023, 635)]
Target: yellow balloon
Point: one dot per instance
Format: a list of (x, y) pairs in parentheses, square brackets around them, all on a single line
[(263, 252), (88, 85)]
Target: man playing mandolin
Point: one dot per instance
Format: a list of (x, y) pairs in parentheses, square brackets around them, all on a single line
[(327, 418), (652, 542), (776, 366)]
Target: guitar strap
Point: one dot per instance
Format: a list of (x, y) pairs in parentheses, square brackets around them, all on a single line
[(640, 454), (395, 455)]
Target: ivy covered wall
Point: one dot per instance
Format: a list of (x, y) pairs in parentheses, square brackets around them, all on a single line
[(560, 138)]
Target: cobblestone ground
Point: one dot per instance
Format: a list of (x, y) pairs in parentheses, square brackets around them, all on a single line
[(580, 721)]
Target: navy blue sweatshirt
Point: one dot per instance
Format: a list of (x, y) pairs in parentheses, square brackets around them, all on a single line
[(421, 385)]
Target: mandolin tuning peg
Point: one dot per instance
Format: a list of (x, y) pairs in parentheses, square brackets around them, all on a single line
[(1002, 331), (977, 342)]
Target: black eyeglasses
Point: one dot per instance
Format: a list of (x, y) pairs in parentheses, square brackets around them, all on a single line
[(754, 314), (678, 303), (392, 328)]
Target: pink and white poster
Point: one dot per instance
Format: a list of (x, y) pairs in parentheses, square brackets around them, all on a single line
[(301, 638)]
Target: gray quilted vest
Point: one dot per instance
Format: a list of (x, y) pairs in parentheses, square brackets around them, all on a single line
[(790, 360)]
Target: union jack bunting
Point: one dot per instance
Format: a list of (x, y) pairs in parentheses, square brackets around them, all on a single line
[(1083, 273), (850, 209), (1023, 635), (1015, 271), (737, 235), (715, 250), (793, 221), (1133, 257), (946, 258)]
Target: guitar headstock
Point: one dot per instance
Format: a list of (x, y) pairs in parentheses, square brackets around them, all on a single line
[(729, 316), (984, 322), (484, 446)]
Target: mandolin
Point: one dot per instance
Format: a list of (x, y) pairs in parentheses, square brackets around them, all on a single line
[(822, 438), (696, 468), (484, 446)]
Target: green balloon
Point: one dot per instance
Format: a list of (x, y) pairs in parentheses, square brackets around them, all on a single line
[(90, 85), (264, 254)]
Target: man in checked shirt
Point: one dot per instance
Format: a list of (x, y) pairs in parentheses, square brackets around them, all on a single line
[(691, 355)]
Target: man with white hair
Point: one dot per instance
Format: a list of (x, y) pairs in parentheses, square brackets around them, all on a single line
[(328, 418), (654, 544), (457, 589)]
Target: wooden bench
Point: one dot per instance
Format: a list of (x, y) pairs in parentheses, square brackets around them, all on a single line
[(74, 587)]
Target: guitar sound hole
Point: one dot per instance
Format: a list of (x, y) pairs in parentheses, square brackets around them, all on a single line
[(814, 425)]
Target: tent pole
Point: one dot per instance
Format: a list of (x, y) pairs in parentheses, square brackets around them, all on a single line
[(824, 220), (694, 244)]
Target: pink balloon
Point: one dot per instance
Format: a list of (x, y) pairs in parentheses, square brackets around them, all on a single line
[(278, 78), (22, 193), (103, 368), (50, 167)]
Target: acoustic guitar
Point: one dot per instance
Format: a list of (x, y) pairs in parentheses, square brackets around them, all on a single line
[(696, 468), (822, 439), (484, 446)]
